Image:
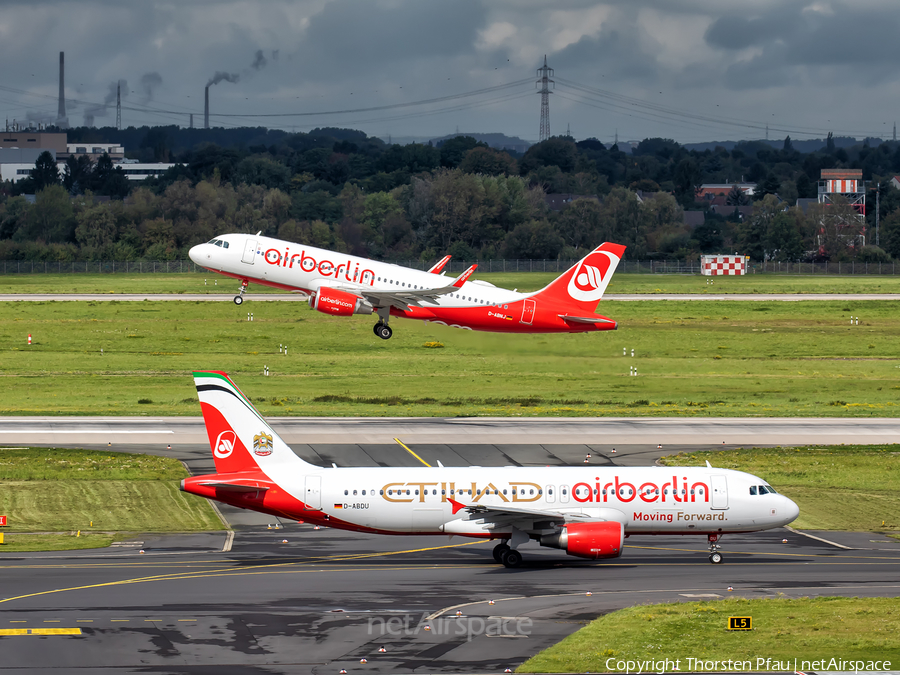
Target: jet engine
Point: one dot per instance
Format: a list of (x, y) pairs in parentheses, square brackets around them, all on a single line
[(588, 540), (338, 303)]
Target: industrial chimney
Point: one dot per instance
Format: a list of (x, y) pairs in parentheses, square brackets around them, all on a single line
[(206, 109), (61, 120)]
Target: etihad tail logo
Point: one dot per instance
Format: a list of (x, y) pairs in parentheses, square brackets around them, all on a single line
[(590, 278), (225, 444)]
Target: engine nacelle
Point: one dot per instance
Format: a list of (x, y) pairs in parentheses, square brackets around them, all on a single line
[(588, 540), (338, 303)]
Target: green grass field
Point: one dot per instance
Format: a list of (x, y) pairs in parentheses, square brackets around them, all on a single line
[(839, 487), (524, 281), (860, 629), (693, 358), (54, 490)]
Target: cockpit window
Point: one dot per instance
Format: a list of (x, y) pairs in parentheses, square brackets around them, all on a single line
[(769, 488), (752, 489), (224, 244), (213, 241)]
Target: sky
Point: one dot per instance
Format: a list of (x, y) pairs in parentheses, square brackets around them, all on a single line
[(690, 70)]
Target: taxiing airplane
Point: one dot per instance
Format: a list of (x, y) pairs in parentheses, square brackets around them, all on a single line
[(344, 285), (585, 511)]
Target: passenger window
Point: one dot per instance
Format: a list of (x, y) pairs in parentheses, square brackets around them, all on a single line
[(346, 493), (417, 493), (363, 493), (381, 493), (753, 490), (354, 493)]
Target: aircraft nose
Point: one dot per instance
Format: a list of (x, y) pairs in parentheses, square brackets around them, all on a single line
[(791, 511), (196, 253)]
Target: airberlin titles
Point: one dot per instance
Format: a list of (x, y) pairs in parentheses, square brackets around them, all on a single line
[(324, 266)]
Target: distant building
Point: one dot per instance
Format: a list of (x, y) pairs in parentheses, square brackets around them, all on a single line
[(95, 150), (694, 218), (709, 191), (14, 172), (895, 181), (35, 139)]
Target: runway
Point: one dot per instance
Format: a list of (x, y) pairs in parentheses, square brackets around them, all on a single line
[(326, 599), (438, 431), (301, 297)]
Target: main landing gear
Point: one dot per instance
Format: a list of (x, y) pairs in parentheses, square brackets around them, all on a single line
[(509, 557), (383, 331), (381, 328), (239, 298), (714, 556)]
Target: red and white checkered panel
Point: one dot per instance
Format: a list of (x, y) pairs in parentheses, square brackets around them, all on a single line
[(723, 265)]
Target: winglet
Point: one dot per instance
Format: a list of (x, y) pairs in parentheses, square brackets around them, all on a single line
[(439, 265), (464, 277), (457, 506)]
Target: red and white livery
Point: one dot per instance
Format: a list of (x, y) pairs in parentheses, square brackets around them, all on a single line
[(585, 511), (344, 285)]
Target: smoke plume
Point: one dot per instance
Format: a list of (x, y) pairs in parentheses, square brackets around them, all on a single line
[(219, 76), (149, 82), (259, 61), (101, 109)]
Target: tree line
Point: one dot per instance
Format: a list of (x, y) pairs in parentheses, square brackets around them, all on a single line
[(341, 189)]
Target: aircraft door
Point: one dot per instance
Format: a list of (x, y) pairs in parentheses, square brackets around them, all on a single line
[(719, 492), (527, 312), (249, 252), (564, 494), (551, 493), (313, 498)]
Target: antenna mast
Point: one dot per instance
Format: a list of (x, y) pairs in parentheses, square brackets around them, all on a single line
[(544, 74), (119, 105)]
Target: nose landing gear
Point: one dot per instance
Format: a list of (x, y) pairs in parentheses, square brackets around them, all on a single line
[(714, 556), (239, 298)]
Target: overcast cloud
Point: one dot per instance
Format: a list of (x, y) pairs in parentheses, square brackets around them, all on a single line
[(686, 69)]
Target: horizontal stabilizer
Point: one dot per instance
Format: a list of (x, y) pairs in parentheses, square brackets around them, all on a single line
[(235, 487), (585, 319)]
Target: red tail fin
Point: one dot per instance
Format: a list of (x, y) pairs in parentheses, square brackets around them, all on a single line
[(583, 285)]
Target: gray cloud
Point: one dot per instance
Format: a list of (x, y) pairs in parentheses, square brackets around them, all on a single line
[(810, 63)]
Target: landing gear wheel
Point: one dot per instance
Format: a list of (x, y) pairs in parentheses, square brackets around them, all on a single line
[(715, 558), (511, 558), (498, 552), (383, 331), (238, 300)]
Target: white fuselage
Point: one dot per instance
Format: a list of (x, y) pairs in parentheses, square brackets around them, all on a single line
[(290, 266), (650, 500)]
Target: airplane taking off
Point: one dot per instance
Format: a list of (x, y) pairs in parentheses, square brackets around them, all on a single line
[(585, 511), (344, 285)]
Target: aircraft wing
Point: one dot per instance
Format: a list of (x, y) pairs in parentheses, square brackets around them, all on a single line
[(403, 299), (510, 514)]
